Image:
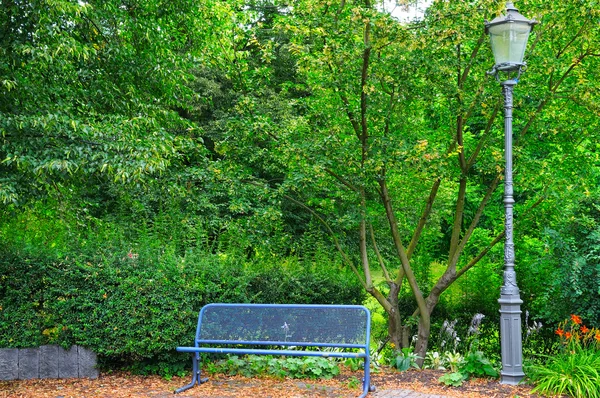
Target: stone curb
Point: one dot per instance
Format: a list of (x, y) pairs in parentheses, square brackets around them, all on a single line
[(47, 362)]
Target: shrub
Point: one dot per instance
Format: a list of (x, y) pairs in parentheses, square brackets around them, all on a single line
[(573, 255), (134, 309), (476, 364), (291, 281)]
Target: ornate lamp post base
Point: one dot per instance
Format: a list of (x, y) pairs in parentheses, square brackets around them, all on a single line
[(510, 333)]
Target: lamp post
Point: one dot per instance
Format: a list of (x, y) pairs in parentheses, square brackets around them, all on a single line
[(509, 34)]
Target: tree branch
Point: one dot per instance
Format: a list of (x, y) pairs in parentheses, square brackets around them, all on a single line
[(344, 99), (552, 92), (339, 11), (410, 276), (458, 218), (459, 140), (335, 240), (342, 180), (450, 277), (465, 73), (364, 257), (386, 275), (474, 222), (363, 92), (474, 102), (497, 239), (424, 217), (561, 52), (483, 138)]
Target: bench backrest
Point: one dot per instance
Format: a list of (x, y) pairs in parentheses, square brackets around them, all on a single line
[(284, 324)]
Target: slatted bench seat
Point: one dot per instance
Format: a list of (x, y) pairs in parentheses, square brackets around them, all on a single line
[(282, 329)]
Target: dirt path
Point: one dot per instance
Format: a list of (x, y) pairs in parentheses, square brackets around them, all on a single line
[(125, 385), (222, 386)]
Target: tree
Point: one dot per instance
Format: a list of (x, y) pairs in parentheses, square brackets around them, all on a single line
[(92, 89), (400, 126)]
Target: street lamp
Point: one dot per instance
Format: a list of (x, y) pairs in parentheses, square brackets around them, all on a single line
[(509, 34)]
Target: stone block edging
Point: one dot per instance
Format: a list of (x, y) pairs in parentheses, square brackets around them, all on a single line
[(47, 362)]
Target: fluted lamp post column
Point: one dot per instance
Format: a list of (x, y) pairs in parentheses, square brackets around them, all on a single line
[(508, 35)]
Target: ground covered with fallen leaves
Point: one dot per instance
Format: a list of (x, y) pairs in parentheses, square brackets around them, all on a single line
[(347, 384)]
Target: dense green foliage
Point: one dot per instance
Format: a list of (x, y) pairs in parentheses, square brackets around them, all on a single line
[(91, 88), (130, 309), (170, 154), (573, 251)]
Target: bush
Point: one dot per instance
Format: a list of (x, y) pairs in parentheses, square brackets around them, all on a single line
[(290, 281), (572, 256), (134, 308)]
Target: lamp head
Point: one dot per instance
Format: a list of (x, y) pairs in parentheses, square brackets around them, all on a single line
[(509, 34)]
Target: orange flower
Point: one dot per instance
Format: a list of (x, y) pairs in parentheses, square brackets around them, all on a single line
[(597, 336), (576, 319), (568, 335), (584, 329), (560, 332)]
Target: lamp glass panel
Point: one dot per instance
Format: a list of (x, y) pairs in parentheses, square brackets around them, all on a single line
[(509, 41)]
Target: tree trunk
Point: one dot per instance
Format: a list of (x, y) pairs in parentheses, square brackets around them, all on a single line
[(395, 328), (423, 333)]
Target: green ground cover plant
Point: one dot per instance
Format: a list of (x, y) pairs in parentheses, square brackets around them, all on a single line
[(405, 359), (473, 364), (294, 367)]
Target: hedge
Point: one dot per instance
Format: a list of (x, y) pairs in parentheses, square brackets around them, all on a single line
[(133, 311)]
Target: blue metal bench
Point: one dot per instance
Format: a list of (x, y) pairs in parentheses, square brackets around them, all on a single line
[(282, 329)]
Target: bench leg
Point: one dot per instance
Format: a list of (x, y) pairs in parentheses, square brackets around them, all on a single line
[(367, 387), (195, 375)]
